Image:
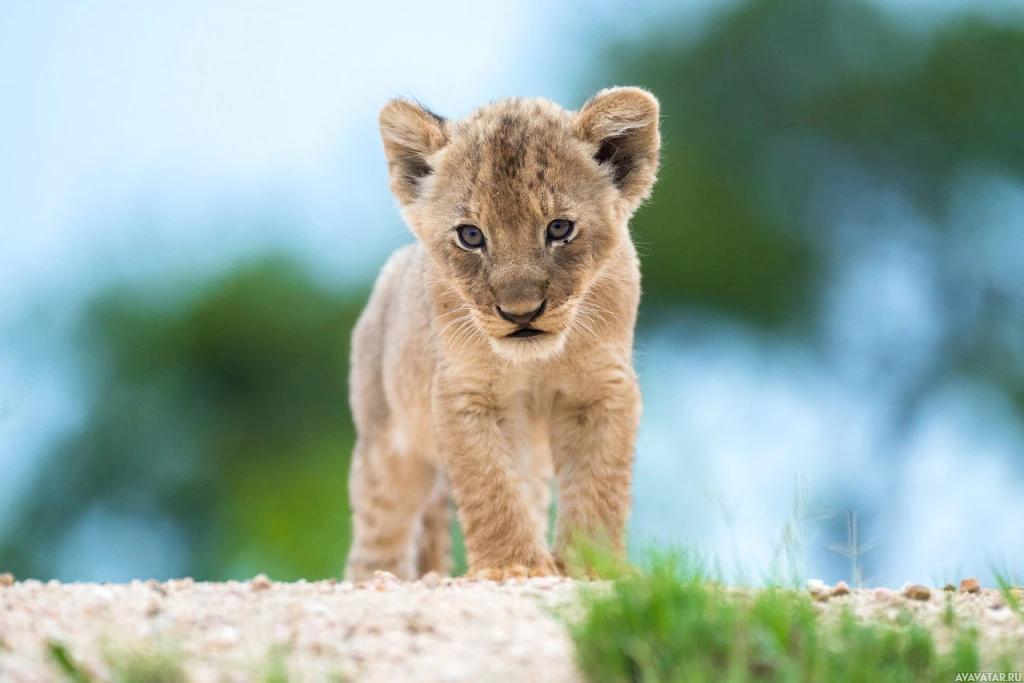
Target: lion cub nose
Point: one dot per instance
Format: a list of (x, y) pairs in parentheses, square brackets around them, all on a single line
[(523, 318)]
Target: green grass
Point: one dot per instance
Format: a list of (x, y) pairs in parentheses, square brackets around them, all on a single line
[(142, 666), (1005, 581), (147, 667), (671, 624), (65, 662)]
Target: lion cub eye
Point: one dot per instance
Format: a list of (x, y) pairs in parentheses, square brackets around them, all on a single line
[(471, 236), (560, 229)]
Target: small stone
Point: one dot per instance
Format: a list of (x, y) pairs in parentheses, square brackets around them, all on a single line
[(7, 579), (817, 589), (431, 580), (917, 592), (380, 577), (315, 607), (260, 582), (103, 594), (970, 586), (418, 623), (223, 637), (1002, 616), (841, 588), (949, 588)]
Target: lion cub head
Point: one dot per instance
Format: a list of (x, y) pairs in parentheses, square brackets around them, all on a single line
[(521, 204)]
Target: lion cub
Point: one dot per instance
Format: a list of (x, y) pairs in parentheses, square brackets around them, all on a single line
[(496, 351)]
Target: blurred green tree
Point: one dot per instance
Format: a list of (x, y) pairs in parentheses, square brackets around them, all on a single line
[(833, 83), (225, 412), (798, 136)]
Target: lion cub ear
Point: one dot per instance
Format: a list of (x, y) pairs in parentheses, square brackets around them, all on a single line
[(622, 124), (411, 134)]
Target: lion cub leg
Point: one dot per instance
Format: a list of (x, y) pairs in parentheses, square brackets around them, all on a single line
[(496, 510), (593, 437), (539, 476), (434, 551), (388, 491)]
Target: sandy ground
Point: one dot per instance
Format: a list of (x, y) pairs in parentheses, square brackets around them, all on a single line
[(385, 630), (434, 630)]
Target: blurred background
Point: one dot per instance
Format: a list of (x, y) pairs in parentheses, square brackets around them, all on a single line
[(193, 205)]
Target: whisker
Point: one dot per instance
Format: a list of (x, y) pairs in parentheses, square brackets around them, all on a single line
[(452, 322)]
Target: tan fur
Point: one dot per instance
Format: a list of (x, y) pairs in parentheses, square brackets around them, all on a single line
[(444, 403)]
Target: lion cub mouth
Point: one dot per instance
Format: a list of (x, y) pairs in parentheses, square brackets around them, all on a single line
[(524, 332)]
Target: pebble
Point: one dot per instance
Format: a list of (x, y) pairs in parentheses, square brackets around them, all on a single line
[(103, 594), (385, 577), (817, 589), (260, 582), (917, 592), (225, 636), (970, 586), (180, 584), (841, 588), (7, 579)]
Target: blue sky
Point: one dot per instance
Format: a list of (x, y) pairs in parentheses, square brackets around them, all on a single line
[(179, 105)]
